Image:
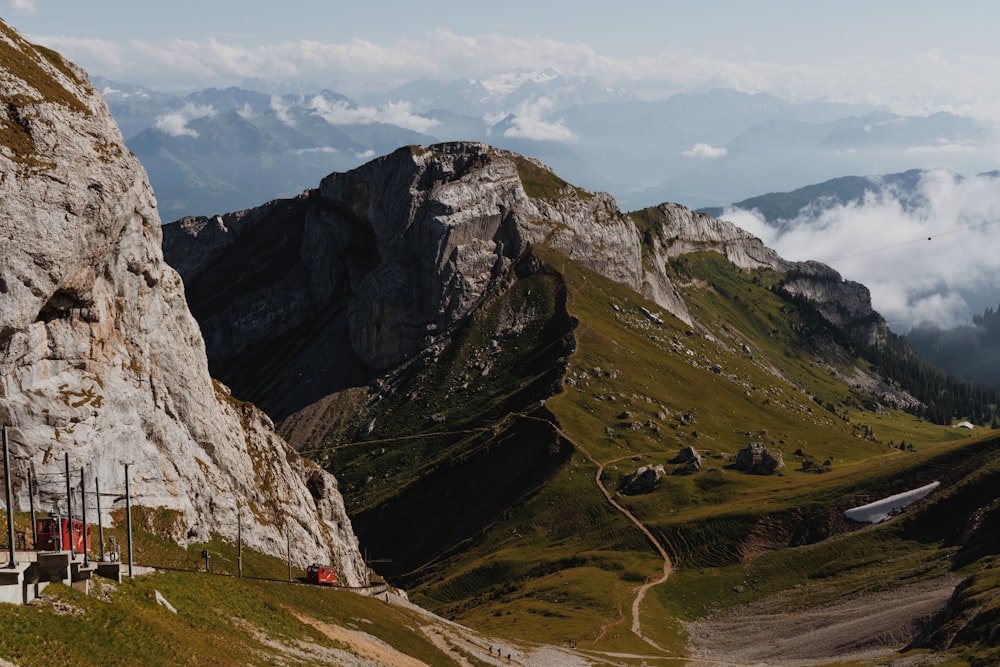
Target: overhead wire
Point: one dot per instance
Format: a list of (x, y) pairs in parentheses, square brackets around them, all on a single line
[(912, 241)]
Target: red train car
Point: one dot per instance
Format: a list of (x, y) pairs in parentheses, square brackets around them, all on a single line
[(53, 534), (321, 574)]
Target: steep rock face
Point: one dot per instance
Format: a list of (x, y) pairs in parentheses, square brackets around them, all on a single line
[(100, 358), (843, 303), (384, 259), (682, 231)]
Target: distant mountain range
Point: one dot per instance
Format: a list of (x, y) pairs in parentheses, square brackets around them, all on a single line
[(218, 150)]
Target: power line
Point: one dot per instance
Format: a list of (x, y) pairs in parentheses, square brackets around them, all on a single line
[(912, 241)]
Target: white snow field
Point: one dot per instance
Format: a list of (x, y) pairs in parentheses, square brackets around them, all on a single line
[(881, 510)]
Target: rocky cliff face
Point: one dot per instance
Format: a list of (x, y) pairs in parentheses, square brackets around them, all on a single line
[(385, 259), (302, 298), (100, 358), (843, 303)]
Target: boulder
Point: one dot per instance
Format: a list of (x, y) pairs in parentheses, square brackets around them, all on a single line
[(758, 459), (643, 480)]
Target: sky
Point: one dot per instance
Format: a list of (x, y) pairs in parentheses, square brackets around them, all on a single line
[(914, 57)]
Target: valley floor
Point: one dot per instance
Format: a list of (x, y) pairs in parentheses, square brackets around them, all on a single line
[(868, 626)]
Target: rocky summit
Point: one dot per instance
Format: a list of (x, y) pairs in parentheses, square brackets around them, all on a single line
[(301, 298), (100, 358)]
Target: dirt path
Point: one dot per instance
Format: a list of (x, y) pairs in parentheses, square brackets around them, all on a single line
[(667, 564)]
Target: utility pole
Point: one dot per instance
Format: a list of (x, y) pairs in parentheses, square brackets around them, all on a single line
[(10, 500), (128, 513), (31, 503), (288, 543), (69, 512), (239, 541), (83, 505), (100, 521)]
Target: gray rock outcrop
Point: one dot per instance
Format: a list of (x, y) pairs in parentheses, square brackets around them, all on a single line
[(756, 458), (643, 480), (689, 460), (100, 357)]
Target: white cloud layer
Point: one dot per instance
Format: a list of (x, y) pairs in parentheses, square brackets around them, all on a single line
[(917, 261), (908, 83), (22, 6), (530, 122), (705, 151), (175, 123), (394, 113)]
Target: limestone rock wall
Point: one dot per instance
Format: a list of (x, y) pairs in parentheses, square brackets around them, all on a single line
[(100, 357)]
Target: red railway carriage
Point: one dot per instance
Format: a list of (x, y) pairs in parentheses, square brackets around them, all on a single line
[(53, 534), (321, 574)]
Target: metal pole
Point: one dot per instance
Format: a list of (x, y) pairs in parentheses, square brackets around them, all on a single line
[(288, 542), (10, 500), (239, 541), (69, 512), (128, 512), (31, 503), (83, 505), (100, 521)]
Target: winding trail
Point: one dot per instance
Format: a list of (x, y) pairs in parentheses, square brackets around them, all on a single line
[(667, 564)]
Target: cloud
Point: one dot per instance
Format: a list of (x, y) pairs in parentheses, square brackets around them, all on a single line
[(394, 113), (282, 111), (705, 151), (313, 151), (907, 83), (175, 123), (944, 149), (246, 111), (22, 6), (530, 122), (923, 263)]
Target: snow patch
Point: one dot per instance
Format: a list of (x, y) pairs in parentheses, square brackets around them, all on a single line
[(881, 510)]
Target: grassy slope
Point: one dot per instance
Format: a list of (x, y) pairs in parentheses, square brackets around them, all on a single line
[(561, 564), (220, 620), (555, 562)]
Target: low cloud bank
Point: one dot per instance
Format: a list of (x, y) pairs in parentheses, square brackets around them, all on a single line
[(928, 257), (394, 113), (175, 123), (705, 151), (531, 122)]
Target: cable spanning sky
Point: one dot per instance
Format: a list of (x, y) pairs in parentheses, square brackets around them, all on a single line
[(913, 57)]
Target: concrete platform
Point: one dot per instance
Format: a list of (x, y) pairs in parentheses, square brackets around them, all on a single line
[(37, 569), (12, 582)]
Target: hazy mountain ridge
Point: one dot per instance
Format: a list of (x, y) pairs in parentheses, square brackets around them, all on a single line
[(696, 148), (971, 352)]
